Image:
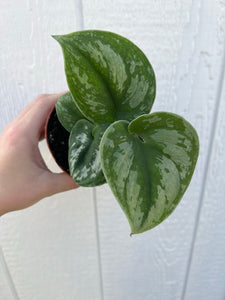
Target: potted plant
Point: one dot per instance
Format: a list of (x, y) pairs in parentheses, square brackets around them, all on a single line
[(102, 130)]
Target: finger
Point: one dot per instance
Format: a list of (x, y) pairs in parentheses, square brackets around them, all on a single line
[(35, 115), (30, 106)]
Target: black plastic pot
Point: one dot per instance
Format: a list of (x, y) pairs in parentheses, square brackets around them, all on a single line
[(57, 138)]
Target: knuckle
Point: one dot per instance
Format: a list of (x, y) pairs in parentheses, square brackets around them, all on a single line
[(42, 97), (12, 134)]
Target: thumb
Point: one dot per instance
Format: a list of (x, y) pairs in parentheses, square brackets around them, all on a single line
[(60, 183)]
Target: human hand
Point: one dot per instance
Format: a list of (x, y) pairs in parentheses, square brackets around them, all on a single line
[(24, 176)]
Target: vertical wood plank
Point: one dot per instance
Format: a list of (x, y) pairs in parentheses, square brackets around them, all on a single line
[(183, 40), (31, 61), (206, 279), (50, 248)]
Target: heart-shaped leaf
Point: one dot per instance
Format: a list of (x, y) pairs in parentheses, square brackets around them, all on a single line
[(67, 111), (84, 157), (108, 76), (148, 165)]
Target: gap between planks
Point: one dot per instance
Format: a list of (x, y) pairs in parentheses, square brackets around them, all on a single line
[(80, 26), (79, 18), (8, 276), (98, 243)]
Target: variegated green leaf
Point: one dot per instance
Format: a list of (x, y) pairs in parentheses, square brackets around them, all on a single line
[(109, 77), (84, 157), (67, 111), (148, 165)]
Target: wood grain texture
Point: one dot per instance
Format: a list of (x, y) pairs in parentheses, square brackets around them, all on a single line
[(183, 40), (31, 61), (50, 248), (53, 248), (206, 278), (7, 289)]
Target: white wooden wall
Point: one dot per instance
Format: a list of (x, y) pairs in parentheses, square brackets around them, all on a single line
[(76, 245)]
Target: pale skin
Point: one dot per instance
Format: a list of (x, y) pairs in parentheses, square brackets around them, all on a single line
[(24, 176)]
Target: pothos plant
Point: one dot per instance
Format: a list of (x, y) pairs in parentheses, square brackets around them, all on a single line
[(106, 133)]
